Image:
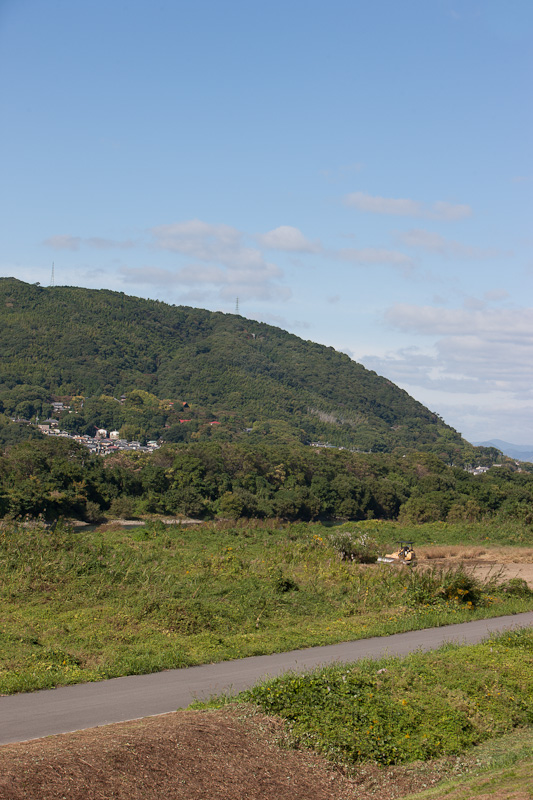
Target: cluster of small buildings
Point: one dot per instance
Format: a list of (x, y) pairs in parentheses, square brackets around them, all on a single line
[(103, 443), (477, 470), (482, 470)]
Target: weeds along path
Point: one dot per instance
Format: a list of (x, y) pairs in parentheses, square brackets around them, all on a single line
[(88, 705)]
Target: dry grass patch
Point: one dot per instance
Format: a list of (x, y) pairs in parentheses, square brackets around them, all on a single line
[(458, 553), (513, 555), (497, 555)]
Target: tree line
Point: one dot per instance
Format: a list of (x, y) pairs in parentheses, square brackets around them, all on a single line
[(58, 477)]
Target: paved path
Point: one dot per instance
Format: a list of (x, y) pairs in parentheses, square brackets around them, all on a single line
[(88, 705)]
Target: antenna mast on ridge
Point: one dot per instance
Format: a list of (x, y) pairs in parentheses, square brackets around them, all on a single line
[(237, 306), (52, 280)]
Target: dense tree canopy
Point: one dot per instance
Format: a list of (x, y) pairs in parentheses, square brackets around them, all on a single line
[(237, 402), (98, 345), (57, 477)]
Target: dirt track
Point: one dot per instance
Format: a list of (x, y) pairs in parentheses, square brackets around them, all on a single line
[(502, 563)]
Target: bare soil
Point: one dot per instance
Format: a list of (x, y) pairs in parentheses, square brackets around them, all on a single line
[(227, 754), (502, 562)]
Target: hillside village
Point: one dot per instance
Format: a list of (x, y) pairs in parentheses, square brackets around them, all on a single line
[(103, 443), (106, 442)]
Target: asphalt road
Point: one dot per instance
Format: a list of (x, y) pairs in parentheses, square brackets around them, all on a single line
[(89, 705)]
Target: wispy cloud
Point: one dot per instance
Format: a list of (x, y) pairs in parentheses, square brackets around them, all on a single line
[(377, 256), (207, 242), (404, 207), (202, 281), (67, 242), (509, 324), (63, 242), (289, 239), (341, 172), (220, 264), (435, 243), (108, 244)]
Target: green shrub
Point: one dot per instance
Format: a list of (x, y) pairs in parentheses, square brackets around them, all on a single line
[(439, 585), (355, 546), (517, 587), (283, 583), (395, 711), (122, 507), (93, 513)]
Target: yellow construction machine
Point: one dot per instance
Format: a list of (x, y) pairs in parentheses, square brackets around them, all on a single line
[(403, 555)]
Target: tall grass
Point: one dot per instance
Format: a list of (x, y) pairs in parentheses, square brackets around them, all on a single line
[(488, 533), (85, 605)]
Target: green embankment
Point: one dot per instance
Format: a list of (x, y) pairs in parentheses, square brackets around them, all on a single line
[(499, 768), (421, 707), (87, 605)]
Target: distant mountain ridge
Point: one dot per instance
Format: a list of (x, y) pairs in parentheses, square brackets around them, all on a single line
[(249, 376), (522, 452)]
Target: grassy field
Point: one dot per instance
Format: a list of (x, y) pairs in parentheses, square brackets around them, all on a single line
[(87, 605)]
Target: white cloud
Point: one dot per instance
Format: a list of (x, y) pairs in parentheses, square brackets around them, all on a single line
[(270, 319), (233, 268), (447, 211), (223, 265), (472, 365), (470, 352), (212, 280), (496, 295), (104, 244), (427, 240), (501, 419), (66, 242), (338, 173), (288, 238), (508, 324), (383, 205), (404, 207), (435, 243), (207, 242), (302, 324)]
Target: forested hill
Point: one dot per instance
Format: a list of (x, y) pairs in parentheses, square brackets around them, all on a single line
[(98, 345)]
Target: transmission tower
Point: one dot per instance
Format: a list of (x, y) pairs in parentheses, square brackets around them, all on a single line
[(237, 306), (52, 279)]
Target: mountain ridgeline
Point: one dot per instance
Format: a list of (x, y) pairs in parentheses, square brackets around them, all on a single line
[(254, 380)]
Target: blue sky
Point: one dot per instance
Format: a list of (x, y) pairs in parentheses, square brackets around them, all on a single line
[(358, 173)]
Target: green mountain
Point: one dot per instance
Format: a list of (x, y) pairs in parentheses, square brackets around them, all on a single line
[(252, 379)]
